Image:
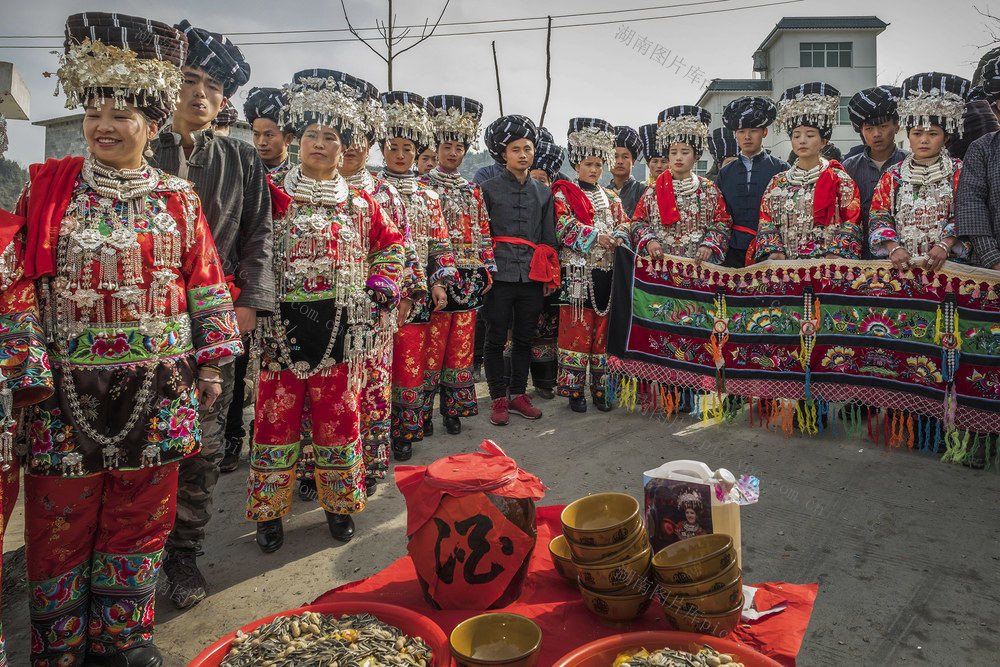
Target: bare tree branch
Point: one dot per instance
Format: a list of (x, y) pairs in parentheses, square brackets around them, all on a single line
[(358, 36), (429, 34)]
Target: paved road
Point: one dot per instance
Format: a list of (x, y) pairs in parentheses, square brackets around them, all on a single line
[(905, 548)]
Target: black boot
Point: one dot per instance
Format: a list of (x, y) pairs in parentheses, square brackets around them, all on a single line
[(341, 526), (428, 426), (578, 404), (600, 399), (185, 582), (270, 535), (231, 460), (545, 392), (371, 485), (402, 449), (137, 656), (453, 425)]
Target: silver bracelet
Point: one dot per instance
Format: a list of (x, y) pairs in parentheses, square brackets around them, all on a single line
[(210, 380), (898, 247)]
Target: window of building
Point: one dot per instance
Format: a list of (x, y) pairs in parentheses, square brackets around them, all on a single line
[(701, 167), (843, 116), (826, 54)]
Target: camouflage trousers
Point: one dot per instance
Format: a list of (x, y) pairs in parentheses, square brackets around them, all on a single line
[(199, 473)]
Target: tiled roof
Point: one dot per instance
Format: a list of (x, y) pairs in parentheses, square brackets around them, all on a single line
[(825, 23)]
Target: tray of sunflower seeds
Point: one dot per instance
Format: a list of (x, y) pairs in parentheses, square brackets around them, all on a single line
[(666, 657), (312, 639)]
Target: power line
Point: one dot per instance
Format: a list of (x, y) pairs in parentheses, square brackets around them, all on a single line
[(498, 30), (532, 29), (453, 23)]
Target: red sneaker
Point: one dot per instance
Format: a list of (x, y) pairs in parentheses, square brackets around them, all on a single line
[(522, 406), (498, 414)]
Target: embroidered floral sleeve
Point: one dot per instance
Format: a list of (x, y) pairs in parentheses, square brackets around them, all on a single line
[(209, 302), (638, 231), (385, 258), (570, 232), (24, 361), (846, 240), (769, 239), (413, 283), (486, 242), (440, 260), (717, 234), (881, 220)]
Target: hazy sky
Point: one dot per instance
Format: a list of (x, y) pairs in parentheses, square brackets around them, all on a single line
[(593, 73)]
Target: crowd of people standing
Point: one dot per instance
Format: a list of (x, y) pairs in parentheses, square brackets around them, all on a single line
[(155, 287)]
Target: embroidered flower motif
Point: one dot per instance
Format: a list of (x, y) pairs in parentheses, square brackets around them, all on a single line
[(838, 358), (878, 324), (110, 347), (182, 423), (925, 370)]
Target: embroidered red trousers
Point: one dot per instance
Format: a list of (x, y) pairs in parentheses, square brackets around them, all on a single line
[(409, 362), (94, 550), (450, 343), (336, 439), (582, 346)]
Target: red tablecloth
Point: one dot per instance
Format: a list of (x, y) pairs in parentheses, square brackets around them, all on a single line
[(566, 623)]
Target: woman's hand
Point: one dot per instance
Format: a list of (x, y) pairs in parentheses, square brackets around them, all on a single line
[(936, 256), (606, 241), (405, 306), (208, 392), (900, 258), (655, 250), (440, 298), (704, 254), (776, 255)]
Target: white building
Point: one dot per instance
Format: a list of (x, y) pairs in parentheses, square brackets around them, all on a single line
[(839, 50)]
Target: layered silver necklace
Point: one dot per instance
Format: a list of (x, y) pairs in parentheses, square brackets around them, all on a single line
[(924, 202)]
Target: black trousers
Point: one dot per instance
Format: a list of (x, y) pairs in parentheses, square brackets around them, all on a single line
[(736, 258), (515, 307)]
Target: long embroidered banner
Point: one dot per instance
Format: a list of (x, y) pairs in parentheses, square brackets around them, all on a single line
[(920, 343)]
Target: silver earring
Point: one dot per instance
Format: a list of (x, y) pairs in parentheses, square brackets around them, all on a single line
[(148, 152)]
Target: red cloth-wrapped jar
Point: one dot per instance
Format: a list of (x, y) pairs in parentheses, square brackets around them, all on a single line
[(470, 519)]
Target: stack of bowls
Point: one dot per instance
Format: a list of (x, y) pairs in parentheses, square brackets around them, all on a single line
[(609, 555), (701, 584)]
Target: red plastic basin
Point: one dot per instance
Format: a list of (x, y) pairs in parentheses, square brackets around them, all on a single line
[(602, 652), (410, 622)]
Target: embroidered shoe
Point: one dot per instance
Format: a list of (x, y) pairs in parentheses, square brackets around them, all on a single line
[(498, 413), (522, 406)]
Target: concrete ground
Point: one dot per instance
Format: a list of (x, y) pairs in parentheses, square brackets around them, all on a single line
[(905, 548)]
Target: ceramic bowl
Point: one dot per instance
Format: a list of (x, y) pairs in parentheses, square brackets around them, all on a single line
[(602, 519), (615, 606), (715, 602), (694, 559), (494, 640), (604, 553), (615, 575), (562, 557), (730, 574), (718, 625)]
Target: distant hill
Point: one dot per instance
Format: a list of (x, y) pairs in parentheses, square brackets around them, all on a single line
[(12, 179)]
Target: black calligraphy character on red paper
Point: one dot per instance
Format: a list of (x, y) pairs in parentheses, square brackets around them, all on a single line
[(477, 528)]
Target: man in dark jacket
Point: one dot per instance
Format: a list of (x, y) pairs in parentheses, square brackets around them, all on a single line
[(231, 182), (873, 114), (522, 216), (977, 202), (628, 150), (744, 180)]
